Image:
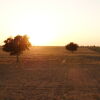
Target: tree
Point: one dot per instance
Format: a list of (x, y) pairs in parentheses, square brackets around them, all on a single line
[(72, 47), (16, 46)]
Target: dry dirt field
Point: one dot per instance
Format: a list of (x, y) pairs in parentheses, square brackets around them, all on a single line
[(50, 73)]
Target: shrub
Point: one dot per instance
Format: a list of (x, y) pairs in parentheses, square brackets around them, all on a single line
[(72, 47)]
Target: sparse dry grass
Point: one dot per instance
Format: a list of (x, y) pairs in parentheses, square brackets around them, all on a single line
[(50, 73)]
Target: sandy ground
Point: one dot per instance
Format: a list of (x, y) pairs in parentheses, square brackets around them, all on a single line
[(50, 73)]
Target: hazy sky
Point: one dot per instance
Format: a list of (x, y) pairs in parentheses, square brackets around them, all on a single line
[(51, 22)]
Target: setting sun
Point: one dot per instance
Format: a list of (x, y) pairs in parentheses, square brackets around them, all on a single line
[(40, 39), (38, 27)]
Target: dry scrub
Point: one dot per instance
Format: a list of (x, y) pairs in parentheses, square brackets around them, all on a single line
[(50, 73)]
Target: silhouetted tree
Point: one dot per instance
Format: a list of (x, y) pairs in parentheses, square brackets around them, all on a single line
[(72, 47), (16, 46)]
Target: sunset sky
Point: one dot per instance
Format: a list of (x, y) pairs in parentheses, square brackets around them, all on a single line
[(51, 22)]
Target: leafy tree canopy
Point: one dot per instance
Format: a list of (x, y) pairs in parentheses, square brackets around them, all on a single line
[(72, 46), (16, 45)]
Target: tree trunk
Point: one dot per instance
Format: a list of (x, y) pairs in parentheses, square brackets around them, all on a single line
[(72, 52), (17, 58)]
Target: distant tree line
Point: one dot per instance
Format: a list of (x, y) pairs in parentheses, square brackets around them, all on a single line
[(94, 48)]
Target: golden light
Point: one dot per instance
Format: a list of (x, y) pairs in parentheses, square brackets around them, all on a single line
[(40, 39), (39, 28)]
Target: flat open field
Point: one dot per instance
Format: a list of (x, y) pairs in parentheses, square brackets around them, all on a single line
[(50, 73)]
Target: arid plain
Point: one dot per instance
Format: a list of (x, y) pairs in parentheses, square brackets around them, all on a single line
[(50, 73)]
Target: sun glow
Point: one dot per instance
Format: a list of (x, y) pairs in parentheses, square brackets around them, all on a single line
[(39, 28), (40, 39)]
